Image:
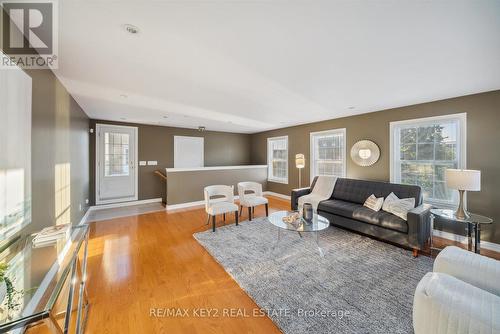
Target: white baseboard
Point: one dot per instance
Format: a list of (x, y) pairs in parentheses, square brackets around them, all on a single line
[(183, 205), (198, 203), (463, 240), (123, 204), (450, 236), (272, 193), (490, 246)]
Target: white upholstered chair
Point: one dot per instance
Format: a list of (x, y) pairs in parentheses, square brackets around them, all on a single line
[(219, 200), (250, 194), (460, 296)]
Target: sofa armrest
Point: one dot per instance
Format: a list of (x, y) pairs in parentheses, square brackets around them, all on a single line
[(296, 193), (478, 270), (419, 225)]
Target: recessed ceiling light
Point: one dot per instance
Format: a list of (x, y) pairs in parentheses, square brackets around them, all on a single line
[(123, 96), (131, 29)]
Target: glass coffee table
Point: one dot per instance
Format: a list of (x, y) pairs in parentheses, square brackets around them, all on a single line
[(318, 223)]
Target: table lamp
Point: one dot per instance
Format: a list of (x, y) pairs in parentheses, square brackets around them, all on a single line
[(300, 162), (463, 180)]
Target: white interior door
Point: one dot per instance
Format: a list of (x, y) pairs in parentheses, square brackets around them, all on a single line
[(116, 168)]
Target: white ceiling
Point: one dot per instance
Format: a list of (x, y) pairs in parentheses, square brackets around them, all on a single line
[(249, 66)]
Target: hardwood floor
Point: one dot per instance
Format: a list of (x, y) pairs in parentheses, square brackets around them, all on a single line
[(140, 263), (152, 261)]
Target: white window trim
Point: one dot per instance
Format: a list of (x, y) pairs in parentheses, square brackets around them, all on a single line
[(462, 160), (269, 165), (312, 151)]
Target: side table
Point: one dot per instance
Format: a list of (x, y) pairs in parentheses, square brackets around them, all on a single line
[(473, 222)]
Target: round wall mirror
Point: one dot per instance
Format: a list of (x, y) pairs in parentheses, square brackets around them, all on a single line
[(365, 153)]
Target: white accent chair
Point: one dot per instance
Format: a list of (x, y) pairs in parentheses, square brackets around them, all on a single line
[(219, 200), (250, 194), (461, 295)]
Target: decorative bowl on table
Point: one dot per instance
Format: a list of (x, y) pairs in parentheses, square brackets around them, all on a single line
[(294, 219)]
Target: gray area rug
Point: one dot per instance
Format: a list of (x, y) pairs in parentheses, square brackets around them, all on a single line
[(360, 286)]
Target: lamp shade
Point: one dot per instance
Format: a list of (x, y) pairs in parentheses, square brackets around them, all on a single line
[(463, 179), (300, 160)]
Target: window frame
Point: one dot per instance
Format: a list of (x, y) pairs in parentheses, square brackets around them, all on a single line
[(461, 141), (270, 176), (312, 151), (112, 146)]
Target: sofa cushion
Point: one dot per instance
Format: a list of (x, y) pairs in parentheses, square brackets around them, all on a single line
[(341, 208), (364, 214), (357, 191), (380, 218)]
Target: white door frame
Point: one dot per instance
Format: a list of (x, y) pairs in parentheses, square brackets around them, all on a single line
[(98, 127)]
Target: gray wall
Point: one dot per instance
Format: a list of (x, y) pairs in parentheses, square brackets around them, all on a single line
[(157, 143), (483, 138), (186, 186), (59, 138)]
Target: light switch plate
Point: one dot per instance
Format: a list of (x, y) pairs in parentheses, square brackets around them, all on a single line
[(152, 163), (142, 163)]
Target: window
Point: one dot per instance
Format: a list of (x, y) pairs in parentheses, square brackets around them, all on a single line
[(116, 146), (15, 154), (277, 159), (422, 149), (328, 153)]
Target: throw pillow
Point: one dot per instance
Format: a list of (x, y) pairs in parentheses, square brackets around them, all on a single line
[(374, 203), (401, 207), (388, 201)]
